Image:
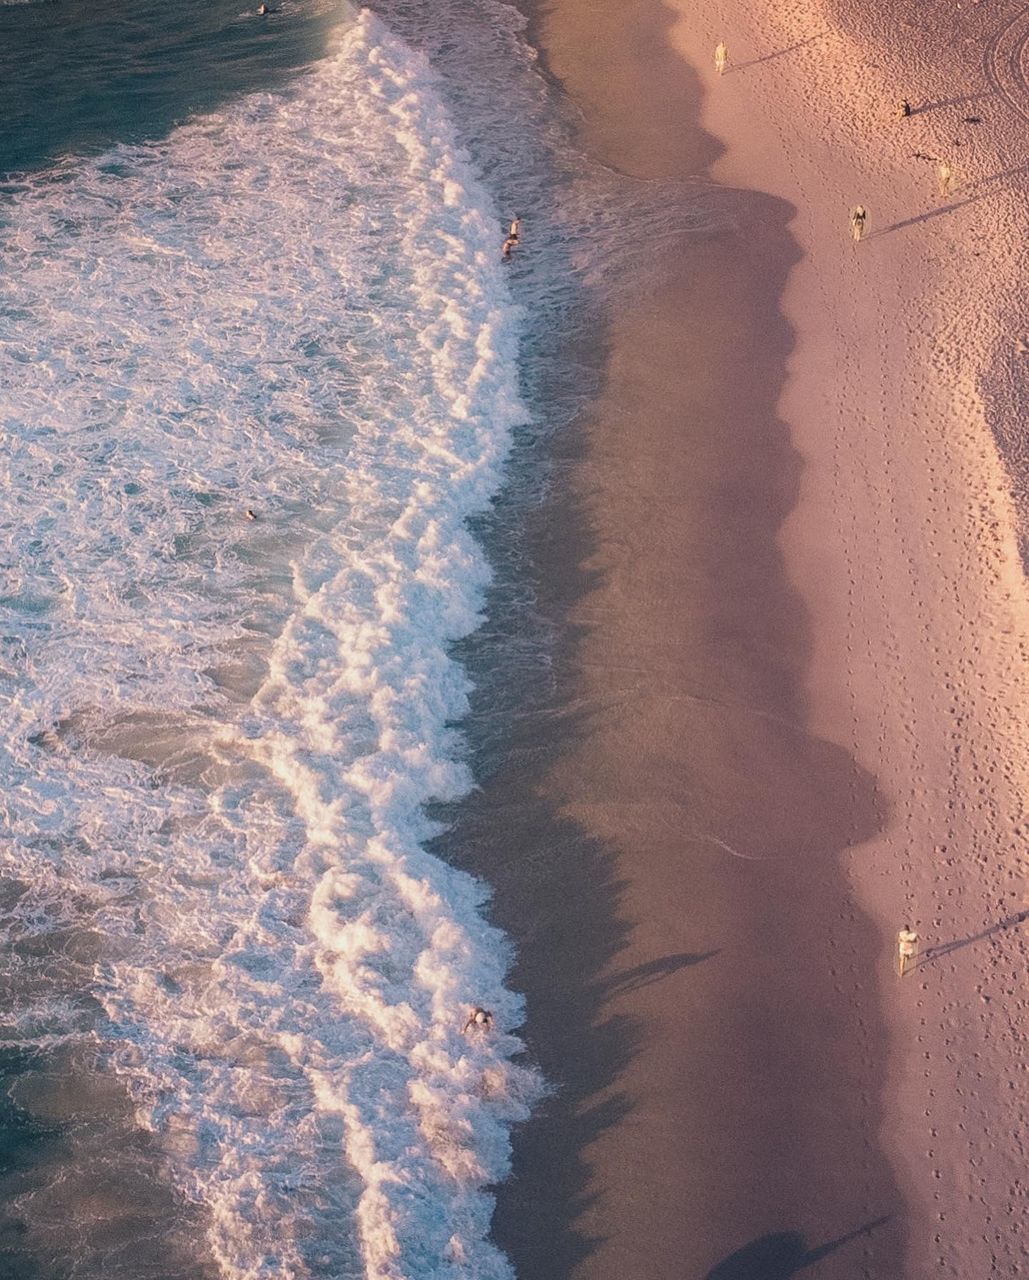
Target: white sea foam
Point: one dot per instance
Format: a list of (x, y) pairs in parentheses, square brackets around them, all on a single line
[(218, 735)]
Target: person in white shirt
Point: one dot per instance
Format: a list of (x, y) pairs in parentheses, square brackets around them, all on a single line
[(858, 217), (907, 947)]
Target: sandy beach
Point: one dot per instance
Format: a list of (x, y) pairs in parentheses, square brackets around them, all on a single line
[(781, 557)]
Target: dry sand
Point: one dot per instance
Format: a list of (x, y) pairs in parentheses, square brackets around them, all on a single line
[(792, 675)]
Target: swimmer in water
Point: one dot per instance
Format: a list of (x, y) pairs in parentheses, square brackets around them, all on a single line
[(481, 1019), (512, 240)]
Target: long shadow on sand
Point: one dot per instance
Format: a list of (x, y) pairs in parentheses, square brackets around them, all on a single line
[(781, 1256), (980, 194), (964, 100), (945, 948), (779, 53), (642, 975)]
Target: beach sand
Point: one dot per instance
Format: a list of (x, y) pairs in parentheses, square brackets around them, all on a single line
[(789, 715)]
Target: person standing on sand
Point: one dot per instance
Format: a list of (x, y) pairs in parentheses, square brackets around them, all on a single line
[(903, 109), (945, 174), (857, 221), (721, 57), (907, 946)]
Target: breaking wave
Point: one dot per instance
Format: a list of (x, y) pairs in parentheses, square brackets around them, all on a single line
[(219, 732)]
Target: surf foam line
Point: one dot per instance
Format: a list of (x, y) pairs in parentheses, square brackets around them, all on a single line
[(299, 297)]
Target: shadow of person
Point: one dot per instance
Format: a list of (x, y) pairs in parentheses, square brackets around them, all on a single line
[(642, 975), (778, 53), (981, 189), (780, 1256), (945, 948), (923, 107)]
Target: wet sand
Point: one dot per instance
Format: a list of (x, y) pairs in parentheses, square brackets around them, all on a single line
[(671, 827), (716, 1092), (751, 766)]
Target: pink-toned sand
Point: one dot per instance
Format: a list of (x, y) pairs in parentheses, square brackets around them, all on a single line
[(793, 671)]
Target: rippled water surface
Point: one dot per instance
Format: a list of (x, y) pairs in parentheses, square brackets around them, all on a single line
[(257, 372)]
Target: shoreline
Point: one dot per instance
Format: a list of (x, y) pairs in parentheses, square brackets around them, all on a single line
[(723, 687), (673, 996)]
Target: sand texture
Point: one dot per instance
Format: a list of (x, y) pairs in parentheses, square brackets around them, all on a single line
[(782, 559)]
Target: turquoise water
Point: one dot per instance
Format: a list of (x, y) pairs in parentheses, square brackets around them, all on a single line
[(77, 77)]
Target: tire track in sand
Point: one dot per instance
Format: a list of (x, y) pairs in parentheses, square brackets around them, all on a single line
[(1004, 62)]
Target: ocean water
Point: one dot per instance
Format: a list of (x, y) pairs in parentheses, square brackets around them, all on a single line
[(252, 266), (219, 733)]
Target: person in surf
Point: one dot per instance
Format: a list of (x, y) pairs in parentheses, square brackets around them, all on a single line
[(511, 241), (480, 1019)]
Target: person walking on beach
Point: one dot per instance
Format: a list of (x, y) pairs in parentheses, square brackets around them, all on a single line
[(479, 1018), (907, 946), (945, 175), (857, 221), (903, 109), (721, 57)]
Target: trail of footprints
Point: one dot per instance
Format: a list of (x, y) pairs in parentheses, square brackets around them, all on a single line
[(969, 817)]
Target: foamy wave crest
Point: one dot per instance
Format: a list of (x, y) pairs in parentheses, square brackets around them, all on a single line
[(219, 734)]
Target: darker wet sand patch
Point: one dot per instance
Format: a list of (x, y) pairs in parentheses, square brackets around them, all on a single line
[(663, 833)]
